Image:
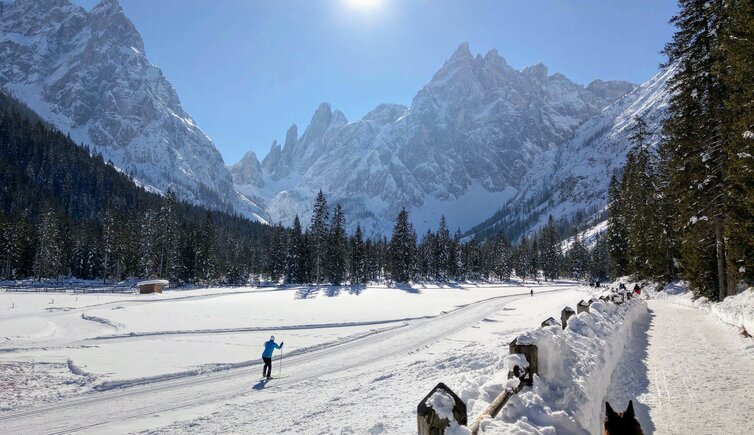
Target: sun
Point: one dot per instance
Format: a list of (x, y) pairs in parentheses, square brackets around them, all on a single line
[(363, 5)]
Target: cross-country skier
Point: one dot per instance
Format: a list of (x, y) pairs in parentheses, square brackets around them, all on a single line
[(531, 292), (269, 347)]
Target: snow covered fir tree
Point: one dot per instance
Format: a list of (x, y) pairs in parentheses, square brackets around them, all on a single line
[(395, 210)]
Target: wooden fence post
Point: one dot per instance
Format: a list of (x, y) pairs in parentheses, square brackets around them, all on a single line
[(427, 420), (550, 322), (565, 315), (582, 307), (530, 352)]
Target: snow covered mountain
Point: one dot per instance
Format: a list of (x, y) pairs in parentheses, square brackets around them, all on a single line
[(461, 149), (87, 74), (573, 177)]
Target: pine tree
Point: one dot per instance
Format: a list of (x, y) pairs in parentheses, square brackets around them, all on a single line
[(148, 236), (617, 237), (737, 45), (504, 258), (336, 248), (579, 258), (167, 237), (295, 262), (534, 259), (522, 264), (550, 250), (277, 253), (456, 265), (318, 233), (206, 257), (599, 264), (695, 142), (640, 200), (107, 243), (441, 254), (359, 253), (402, 248), (47, 262)]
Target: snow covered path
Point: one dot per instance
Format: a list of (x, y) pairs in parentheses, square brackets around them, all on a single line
[(161, 403), (687, 373)]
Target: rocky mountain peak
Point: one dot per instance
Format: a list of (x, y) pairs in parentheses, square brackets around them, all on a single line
[(248, 170), (536, 72), (107, 7), (87, 74), (470, 134)]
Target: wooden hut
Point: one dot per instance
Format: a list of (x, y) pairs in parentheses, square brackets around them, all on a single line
[(152, 286)]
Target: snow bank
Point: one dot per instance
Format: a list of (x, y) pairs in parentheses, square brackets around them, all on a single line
[(575, 368), (736, 310)]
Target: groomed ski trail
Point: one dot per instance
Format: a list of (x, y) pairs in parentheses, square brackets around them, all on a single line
[(686, 373), (98, 411)]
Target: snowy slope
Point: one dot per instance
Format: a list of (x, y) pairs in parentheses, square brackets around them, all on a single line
[(87, 73), (465, 144), (574, 176)]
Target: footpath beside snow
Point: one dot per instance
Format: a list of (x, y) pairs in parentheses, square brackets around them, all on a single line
[(686, 373), (736, 310)]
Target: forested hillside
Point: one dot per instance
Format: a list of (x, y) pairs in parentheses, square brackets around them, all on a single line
[(688, 210), (68, 213)]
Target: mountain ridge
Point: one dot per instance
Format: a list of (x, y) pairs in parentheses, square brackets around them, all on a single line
[(468, 136), (87, 73)]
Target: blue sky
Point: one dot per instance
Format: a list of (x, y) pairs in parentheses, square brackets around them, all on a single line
[(247, 69)]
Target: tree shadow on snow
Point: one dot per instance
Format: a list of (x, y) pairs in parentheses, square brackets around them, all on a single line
[(307, 292), (356, 289), (331, 291), (630, 379), (406, 287)]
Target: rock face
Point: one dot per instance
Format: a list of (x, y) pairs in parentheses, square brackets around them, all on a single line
[(87, 74), (574, 177), (461, 149)]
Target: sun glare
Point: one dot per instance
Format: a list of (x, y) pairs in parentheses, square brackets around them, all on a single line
[(363, 5)]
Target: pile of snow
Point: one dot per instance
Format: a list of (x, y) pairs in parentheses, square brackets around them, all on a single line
[(575, 369), (736, 310)]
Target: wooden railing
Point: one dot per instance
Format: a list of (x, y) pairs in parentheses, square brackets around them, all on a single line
[(430, 423)]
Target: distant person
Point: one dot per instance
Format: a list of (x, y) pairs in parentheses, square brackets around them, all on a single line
[(637, 289), (531, 292), (269, 348)]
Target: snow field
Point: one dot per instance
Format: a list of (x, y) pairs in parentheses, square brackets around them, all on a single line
[(575, 370), (131, 339), (381, 396)]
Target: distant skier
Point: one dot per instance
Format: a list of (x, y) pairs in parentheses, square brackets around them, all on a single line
[(269, 348), (531, 292), (637, 289)]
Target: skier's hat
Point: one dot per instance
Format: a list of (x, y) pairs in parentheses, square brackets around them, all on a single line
[(272, 337)]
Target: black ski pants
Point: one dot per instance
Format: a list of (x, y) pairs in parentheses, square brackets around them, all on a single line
[(267, 369)]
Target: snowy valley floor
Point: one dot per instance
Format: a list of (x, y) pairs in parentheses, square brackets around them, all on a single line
[(687, 373), (356, 361)]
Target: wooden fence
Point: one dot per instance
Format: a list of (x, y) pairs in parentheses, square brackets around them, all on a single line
[(430, 423)]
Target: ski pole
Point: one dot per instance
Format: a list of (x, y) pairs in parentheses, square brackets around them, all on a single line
[(280, 365)]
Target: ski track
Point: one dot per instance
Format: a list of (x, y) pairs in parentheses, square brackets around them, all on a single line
[(686, 373), (98, 411)]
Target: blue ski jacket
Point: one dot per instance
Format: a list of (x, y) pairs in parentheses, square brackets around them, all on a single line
[(270, 347)]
